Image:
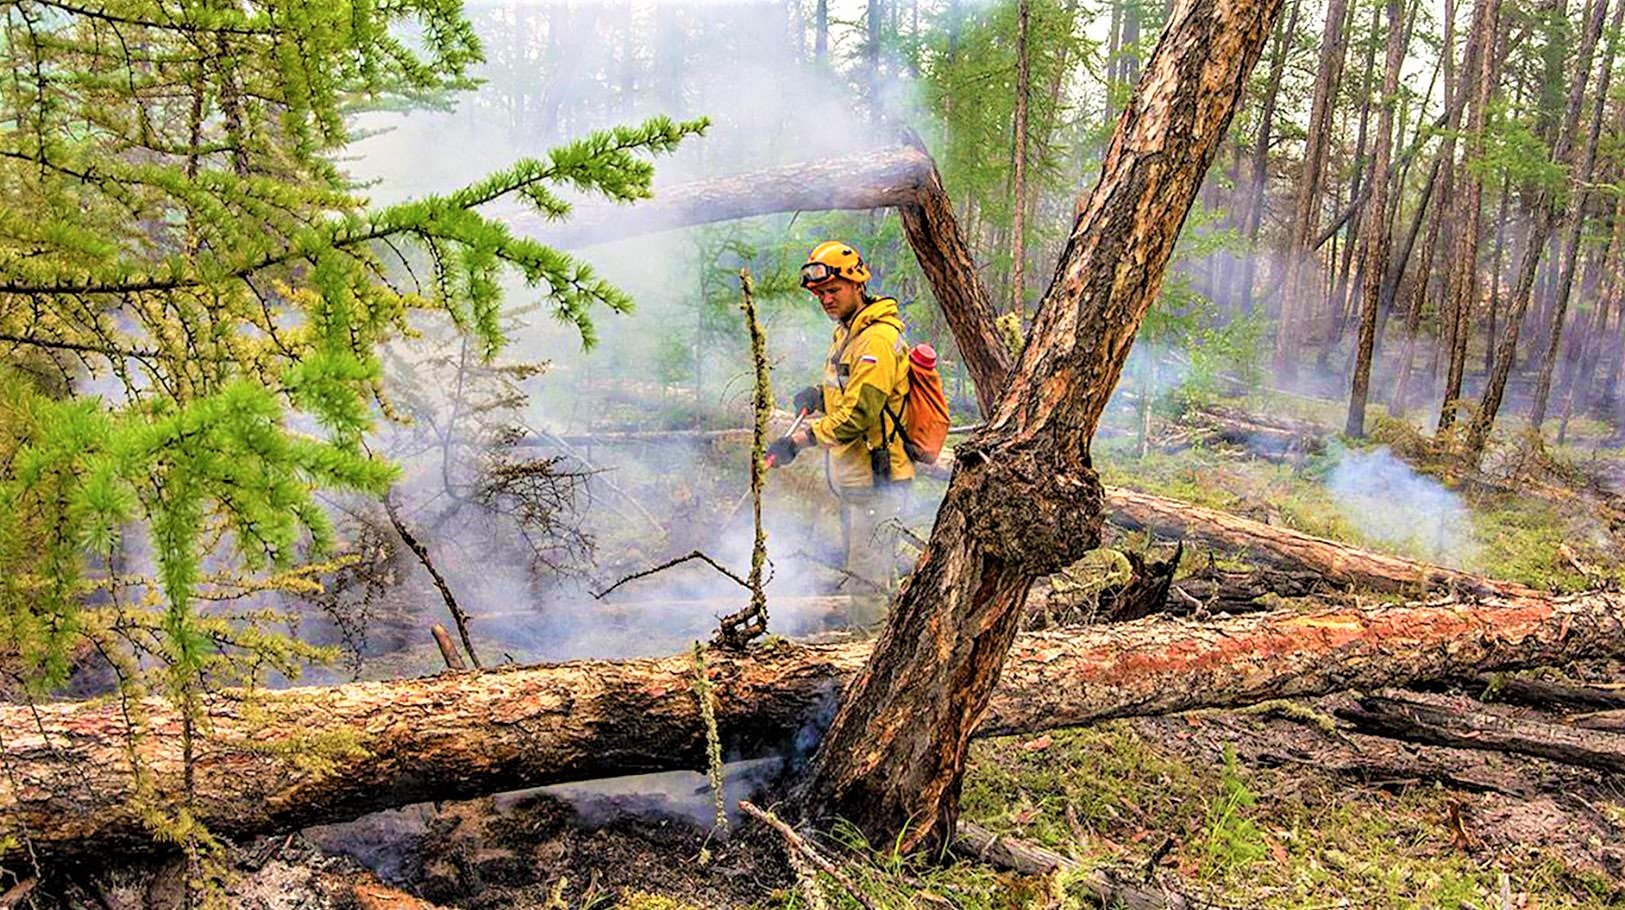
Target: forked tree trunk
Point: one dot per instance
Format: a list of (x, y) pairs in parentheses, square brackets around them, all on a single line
[(278, 760), (1024, 500)]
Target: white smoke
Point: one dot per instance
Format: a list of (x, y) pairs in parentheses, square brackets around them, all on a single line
[(1390, 503)]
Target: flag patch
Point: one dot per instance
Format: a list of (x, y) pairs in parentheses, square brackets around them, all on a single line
[(868, 358)]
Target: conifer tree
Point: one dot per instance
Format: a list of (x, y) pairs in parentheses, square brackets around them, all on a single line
[(193, 298)]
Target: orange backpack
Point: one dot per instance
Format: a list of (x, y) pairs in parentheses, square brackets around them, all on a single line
[(925, 407)]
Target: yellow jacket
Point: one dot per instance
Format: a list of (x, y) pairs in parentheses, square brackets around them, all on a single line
[(867, 368)]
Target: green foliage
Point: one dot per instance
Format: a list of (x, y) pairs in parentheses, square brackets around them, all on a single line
[(1232, 840), (193, 299)]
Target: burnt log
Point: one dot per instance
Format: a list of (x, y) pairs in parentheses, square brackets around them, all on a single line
[(1458, 723), (278, 760), (1540, 693)]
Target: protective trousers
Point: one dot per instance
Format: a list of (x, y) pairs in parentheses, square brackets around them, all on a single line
[(869, 522)]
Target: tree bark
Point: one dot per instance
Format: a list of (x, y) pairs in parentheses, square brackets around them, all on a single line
[(1376, 230), (883, 179), (1306, 211), (70, 792), (1457, 723), (1024, 500)]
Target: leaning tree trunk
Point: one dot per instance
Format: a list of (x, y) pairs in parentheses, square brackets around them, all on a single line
[(1024, 500), (279, 760)]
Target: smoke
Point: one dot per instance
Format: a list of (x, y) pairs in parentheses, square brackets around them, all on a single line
[(1389, 502)]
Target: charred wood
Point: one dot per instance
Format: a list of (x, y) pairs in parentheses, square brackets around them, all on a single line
[(1539, 693), (1455, 722)]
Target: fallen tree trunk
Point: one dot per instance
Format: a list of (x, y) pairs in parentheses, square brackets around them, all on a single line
[(882, 179), (276, 760), (1455, 722), (1341, 564)]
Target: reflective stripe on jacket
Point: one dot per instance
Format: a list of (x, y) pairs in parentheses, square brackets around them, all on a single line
[(867, 368)]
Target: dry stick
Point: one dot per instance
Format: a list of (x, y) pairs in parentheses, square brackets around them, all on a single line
[(696, 554), (1108, 887), (799, 845), (739, 628), (422, 553), (448, 650)]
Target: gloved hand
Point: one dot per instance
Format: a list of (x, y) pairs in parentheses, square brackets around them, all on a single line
[(810, 399), (781, 452)]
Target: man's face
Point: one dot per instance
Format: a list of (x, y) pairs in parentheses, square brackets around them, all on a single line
[(840, 298)]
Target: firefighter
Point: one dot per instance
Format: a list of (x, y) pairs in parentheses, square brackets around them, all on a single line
[(861, 403)]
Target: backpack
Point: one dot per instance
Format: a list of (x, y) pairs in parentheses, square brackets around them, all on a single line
[(924, 422)]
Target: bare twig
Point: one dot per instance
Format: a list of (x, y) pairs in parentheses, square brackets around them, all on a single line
[(800, 846), (422, 553), (675, 562)]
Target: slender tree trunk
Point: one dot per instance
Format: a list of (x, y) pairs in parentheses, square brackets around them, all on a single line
[(1343, 297), (1306, 212), (1024, 500), (1545, 219), (1018, 230), (1579, 201), (1437, 192), (1376, 229), (1259, 177), (1464, 256), (1497, 268)]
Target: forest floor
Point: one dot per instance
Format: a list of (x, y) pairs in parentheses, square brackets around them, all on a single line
[(1278, 806)]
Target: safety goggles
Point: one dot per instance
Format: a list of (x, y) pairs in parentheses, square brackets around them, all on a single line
[(816, 273)]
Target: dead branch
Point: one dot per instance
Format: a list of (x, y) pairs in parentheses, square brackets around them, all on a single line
[(422, 553), (670, 563), (798, 844), (1106, 887), (1459, 723), (739, 628)]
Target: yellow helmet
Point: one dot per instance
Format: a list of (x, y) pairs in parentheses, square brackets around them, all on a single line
[(830, 259)]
